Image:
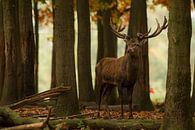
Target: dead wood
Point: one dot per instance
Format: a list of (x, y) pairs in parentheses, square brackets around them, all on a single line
[(40, 96), (11, 118), (22, 125)]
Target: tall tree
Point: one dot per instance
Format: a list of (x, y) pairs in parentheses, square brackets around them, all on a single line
[(178, 85), (53, 68), (110, 42), (193, 92), (27, 46), (67, 104), (100, 50), (2, 50), (36, 28), (138, 24), (10, 33), (86, 92)]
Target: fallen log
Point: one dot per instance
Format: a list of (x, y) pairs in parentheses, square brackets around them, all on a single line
[(19, 123), (9, 117)]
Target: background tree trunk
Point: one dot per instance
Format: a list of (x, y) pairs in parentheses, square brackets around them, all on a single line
[(86, 92), (53, 68), (2, 50), (27, 46), (10, 32), (178, 85), (110, 46), (193, 92), (138, 23), (36, 28), (100, 50), (67, 104)]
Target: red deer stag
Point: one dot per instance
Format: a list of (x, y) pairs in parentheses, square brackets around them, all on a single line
[(122, 72)]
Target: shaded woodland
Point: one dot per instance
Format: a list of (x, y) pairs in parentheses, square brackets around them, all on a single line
[(72, 101)]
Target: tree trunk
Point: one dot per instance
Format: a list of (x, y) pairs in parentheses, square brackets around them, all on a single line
[(2, 51), (110, 46), (53, 68), (100, 50), (36, 28), (193, 92), (138, 23), (67, 104), (177, 102), (10, 83), (27, 46), (86, 92)]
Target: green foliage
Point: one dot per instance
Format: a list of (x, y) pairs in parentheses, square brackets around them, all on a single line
[(80, 124)]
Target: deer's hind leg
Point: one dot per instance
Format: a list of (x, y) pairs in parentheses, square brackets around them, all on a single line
[(120, 90), (100, 97), (106, 94)]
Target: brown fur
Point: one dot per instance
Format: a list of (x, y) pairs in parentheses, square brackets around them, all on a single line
[(118, 72)]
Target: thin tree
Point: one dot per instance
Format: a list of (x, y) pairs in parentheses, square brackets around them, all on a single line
[(2, 50), (27, 46), (67, 104), (100, 50), (53, 70), (138, 23), (177, 102), (36, 30), (193, 92), (110, 42), (10, 93)]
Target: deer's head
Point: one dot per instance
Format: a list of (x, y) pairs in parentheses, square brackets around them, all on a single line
[(133, 44)]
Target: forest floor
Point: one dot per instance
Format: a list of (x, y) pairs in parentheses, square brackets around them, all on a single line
[(41, 112), (143, 120)]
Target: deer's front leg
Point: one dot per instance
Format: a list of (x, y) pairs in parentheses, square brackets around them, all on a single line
[(130, 93), (121, 100)]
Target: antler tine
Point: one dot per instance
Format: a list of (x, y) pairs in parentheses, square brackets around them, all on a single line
[(157, 31), (117, 32), (140, 35)]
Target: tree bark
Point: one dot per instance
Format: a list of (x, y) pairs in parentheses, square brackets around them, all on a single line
[(27, 47), (86, 92), (67, 104), (2, 51), (110, 45), (10, 32), (138, 24), (53, 70), (177, 102), (100, 50), (193, 92), (36, 28)]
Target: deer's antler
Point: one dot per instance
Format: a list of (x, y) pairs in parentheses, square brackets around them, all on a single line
[(156, 32), (117, 31)]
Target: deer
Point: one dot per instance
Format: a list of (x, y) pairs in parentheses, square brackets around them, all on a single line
[(122, 72)]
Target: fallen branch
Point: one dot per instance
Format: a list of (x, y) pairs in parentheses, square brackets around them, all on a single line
[(40, 96)]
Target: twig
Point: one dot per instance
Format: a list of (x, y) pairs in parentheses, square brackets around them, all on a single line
[(79, 115)]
